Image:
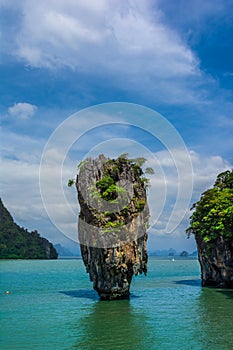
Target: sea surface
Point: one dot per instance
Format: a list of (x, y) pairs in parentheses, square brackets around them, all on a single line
[(52, 306)]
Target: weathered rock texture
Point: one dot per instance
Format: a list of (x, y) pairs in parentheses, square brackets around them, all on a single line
[(112, 224), (212, 225), (216, 261)]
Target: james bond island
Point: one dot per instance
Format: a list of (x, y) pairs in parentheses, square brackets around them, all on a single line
[(113, 221), (212, 225)]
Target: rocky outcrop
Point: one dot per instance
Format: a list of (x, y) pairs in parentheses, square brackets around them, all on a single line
[(112, 223), (216, 261), (212, 225)]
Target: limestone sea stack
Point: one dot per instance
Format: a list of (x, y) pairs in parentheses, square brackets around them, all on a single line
[(212, 225), (216, 262), (112, 225)]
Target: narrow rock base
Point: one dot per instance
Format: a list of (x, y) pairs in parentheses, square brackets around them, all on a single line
[(114, 296)]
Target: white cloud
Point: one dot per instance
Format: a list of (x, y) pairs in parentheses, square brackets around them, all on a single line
[(228, 74), (22, 110), (69, 32), (224, 121), (21, 192), (124, 41), (21, 147), (206, 170)]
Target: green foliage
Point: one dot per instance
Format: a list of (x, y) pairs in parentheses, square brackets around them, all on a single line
[(140, 204), (224, 180), (149, 170), (112, 192), (95, 194), (17, 243), (213, 215), (125, 210), (81, 164), (124, 155), (70, 182), (139, 161), (113, 226), (146, 181), (104, 183), (147, 225), (108, 189), (137, 170)]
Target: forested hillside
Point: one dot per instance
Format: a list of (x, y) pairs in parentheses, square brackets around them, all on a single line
[(18, 243)]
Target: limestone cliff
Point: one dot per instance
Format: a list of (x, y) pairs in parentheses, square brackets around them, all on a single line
[(212, 225), (216, 261), (112, 223)]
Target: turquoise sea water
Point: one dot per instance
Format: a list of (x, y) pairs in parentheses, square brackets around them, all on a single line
[(52, 306)]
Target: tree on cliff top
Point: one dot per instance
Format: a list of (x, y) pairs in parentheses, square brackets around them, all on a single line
[(213, 213)]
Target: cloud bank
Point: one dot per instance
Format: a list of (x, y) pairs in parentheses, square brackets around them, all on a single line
[(125, 42), (22, 110), (23, 197), (69, 32), (95, 51)]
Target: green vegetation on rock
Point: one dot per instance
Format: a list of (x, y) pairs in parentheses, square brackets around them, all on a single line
[(213, 213), (18, 243), (113, 221), (118, 191), (149, 170), (70, 182), (108, 188)]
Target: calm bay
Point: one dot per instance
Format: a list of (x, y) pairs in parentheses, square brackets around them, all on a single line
[(52, 305)]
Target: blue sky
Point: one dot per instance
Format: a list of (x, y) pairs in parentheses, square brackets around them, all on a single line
[(59, 57)]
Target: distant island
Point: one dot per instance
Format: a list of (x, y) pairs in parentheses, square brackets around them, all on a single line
[(172, 252), (64, 251), (18, 243), (71, 250)]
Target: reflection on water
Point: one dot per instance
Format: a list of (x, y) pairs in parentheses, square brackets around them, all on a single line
[(53, 306), (192, 282), (215, 309), (227, 292), (114, 325), (87, 294), (185, 316), (81, 293)]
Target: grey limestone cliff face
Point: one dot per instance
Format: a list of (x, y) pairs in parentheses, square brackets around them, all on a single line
[(112, 224), (216, 262)]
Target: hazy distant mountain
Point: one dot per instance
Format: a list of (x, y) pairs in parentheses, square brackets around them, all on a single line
[(18, 243), (68, 245), (184, 253), (195, 253), (63, 251), (169, 252)]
